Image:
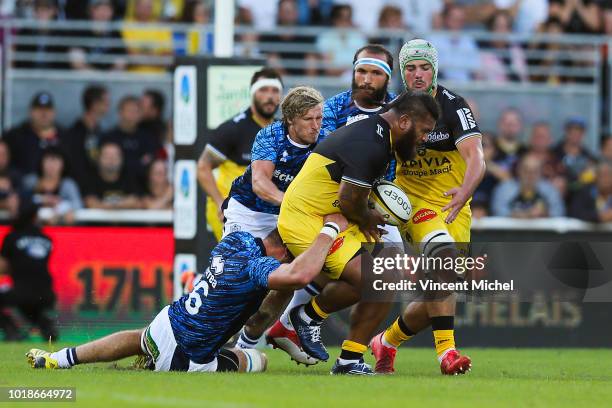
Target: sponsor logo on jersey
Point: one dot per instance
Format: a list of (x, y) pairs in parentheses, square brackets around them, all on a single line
[(356, 118), (424, 214), (379, 130), (283, 177), (284, 157), (467, 118), (449, 95), (437, 137), (429, 162), (336, 245)]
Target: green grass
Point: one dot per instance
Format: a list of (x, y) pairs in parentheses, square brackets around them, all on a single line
[(500, 377)]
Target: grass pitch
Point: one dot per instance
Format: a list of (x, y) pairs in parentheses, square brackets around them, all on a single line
[(500, 377)]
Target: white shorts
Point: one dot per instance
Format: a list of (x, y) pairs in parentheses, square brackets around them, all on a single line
[(158, 342), (240, 218)]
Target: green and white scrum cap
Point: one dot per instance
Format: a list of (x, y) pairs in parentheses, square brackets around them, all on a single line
[(419, 49)]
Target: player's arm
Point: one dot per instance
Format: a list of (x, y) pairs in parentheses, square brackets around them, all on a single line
[(471, 152), (262, 172), (354, 205), (209, 160), (309, 263)]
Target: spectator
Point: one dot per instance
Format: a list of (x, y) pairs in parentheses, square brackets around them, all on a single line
[(303, 63), (139, 148), (46, 41), (28, 140), (508, 142), (390, 18), (337, 46), (194, 40), (594, 202), (607, 20), (541, 147), (527, 15), (577, 16), (151, 41), (364, 14), (554, 54), (159, 190), (314, 12), (152, 103), (52, 189), (495, 174), (95, 53), (82, 139), (259, 13), (25, 257), (421, 16), (576, 163), (457, 51), (10, 180), (501, 59), (111, 187), (606, 149), (528, 197)]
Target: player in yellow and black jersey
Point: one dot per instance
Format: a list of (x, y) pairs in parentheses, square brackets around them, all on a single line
[(337, 177), (440, 182), (229, 148)]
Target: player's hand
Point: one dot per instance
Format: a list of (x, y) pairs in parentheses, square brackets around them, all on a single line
[(459, 198), (339, 219), (371, 228)]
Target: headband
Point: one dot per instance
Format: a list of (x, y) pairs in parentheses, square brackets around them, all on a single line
[(263, 82), (376, 62)]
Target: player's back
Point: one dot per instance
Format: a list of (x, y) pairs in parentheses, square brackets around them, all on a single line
[(356, 154), (230, 291)]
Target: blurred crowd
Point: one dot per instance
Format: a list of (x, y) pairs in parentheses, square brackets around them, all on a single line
[(541, 178), (66, 169), (358, 22), (529, 175)]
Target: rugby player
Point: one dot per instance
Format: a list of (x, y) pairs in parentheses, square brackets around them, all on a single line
[(229, 148), (372, 69), (189, 334), (440, 182), (277, 155), (337, 177)]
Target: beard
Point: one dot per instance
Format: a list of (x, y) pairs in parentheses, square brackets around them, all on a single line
[(368, 94), (263, 108), (406, 147)]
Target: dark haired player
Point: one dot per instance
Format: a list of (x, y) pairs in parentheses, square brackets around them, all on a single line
[(440, 182), (337, 177)]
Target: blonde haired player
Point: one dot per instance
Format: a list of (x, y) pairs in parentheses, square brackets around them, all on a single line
[(229, 148), (440, 182)]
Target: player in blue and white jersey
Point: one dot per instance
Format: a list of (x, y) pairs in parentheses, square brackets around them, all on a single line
[(189, 334), (278, 153)]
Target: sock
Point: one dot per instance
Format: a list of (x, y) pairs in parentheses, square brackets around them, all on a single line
[(397, 333), (66, 357), (444, 334), (351, 352), (300, 297), (245, 342), (312, 312)]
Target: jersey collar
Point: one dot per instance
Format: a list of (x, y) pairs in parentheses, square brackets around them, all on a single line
[(296, 144), (261, 246)]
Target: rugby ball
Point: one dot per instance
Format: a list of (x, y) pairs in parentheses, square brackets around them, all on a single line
[(389, 200)]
